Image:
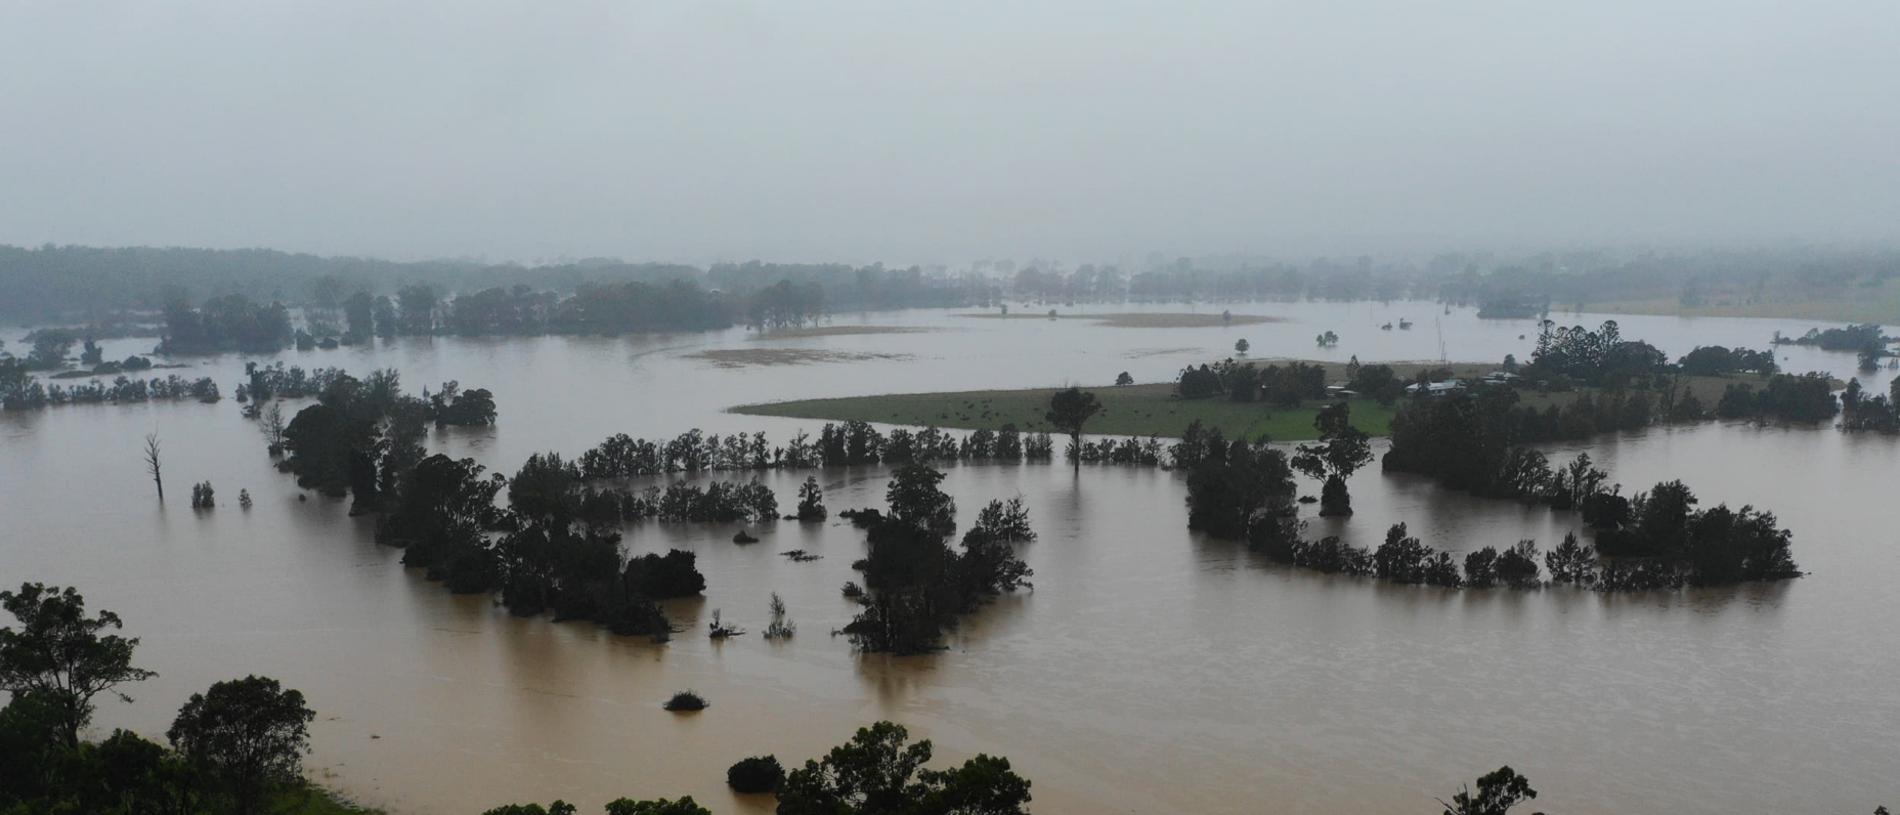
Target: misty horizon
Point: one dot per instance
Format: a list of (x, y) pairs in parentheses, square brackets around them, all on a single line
[(862, 133)]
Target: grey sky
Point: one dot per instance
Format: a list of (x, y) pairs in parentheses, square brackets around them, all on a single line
[(919, 132)]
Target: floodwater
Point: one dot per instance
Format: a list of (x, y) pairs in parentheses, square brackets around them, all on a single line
[(1150, 670)]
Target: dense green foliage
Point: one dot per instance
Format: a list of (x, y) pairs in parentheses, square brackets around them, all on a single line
[(917, 583), (249, 734), (62, 658), (879, 773), (238, 745), (1342, 449), (1230, 484), (755, 775), (1498, 791), (228, 323), (1879, 413)]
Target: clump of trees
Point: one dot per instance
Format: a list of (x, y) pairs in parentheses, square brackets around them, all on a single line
[(234, 747), (228, 323), (850, 443), (360, 438), (1658, 543), (1285, 385), (1600, 357), (916, 584), (1807, 398), (1341, 450), (19, 390), (266, 382), (542, 553), (1377, 382), (1718, 360), (451, 405), (1231, 484), (203, 496), (881, 771), (1854, 337), (1879, 413)]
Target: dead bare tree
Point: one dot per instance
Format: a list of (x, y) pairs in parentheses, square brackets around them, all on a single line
[(271, 424), (152, 464)]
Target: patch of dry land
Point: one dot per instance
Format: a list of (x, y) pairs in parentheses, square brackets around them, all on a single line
[(1142, 319), (746, 357), (836, 331)]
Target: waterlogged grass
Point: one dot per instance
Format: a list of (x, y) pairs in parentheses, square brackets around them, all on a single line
[(1130, 410), (746, 357), (1139, 319), (837, 331)]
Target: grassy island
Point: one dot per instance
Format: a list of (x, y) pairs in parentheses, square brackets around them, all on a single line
[(1152, 409)]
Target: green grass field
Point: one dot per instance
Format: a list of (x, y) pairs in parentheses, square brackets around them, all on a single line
[(1136, 410), (1131, 410)]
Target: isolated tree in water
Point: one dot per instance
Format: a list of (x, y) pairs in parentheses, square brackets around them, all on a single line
[(811, 501), (1497, 793), (60, 656), (153, 465), (1069, 410), (1241, 346), (1342, 449)]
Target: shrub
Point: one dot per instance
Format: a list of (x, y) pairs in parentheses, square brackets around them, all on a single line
[(755, 775), (685, 700)]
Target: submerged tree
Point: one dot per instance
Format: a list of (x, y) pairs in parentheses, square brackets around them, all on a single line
[(61, 656), (152, 464), (811, 500), (1342, 449), (1069, 410)]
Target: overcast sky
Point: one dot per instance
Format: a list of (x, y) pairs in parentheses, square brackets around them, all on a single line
[(946, 131)]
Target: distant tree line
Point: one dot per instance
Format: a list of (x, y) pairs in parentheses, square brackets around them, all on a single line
[(66, 282)]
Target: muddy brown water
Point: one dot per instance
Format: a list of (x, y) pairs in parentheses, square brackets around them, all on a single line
[(1149, 671)]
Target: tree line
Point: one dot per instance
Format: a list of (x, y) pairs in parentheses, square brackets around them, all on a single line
[(854, 442), (21, 391)]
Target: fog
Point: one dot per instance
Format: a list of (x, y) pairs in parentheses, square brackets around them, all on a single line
[(946, 132)]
